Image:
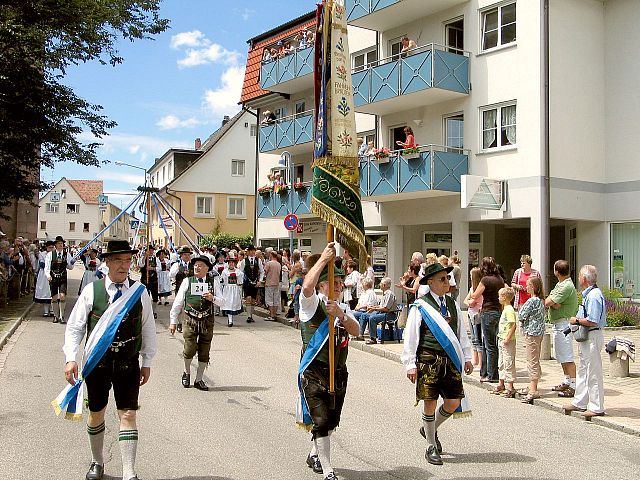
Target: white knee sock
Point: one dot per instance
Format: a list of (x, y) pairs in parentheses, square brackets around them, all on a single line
[(230, 319), (250, 309), (62, 305), (56, 308), (128, 440), (441, 416), (314, 449), (96, 441), (429, 423), (323, 444), (187, 365), (200, 371)]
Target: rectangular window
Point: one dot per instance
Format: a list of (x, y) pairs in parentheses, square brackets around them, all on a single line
[(72, 226), (235, 207), (254, 130), (395, 45), (300, 107), (43, 225), (51, 207), (85, 227), (625, 259), (237, 168), (499, 126), (454, 36), (454, 131), (362, 60), (73, 208), (63, 193), (498, 26), (204, 205), (280, 112)]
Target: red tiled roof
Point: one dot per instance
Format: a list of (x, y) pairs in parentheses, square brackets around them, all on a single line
[(251, 87), (87, 189)]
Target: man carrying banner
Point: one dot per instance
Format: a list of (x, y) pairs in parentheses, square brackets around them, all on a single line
[(319, 412), (436, 351), (56, 264), (117, 315)]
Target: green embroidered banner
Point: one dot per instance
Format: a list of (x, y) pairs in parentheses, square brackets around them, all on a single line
[(336, 174)]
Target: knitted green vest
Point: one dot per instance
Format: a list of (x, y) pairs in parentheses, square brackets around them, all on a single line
[(427, 340), (308, 329), (130, 327)]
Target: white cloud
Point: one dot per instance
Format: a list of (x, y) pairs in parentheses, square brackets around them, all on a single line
[(245, 13), (194, 38), (131, 179), (224, 100), (169, 122), (133, 149), (213, 53), (121, 142)]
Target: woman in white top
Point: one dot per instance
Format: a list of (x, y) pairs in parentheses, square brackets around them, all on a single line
[(352, 284)]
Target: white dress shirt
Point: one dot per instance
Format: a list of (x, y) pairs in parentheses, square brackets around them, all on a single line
[(412, 336), (77, 323), (178, 303), (49, 259)]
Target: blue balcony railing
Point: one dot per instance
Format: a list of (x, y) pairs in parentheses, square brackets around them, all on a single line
[(290, 67), (428, 67), (359, 8), (281, 204), (434, 168), (287, 131)]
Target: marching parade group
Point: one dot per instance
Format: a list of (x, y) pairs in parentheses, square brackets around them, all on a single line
[(115, 315)]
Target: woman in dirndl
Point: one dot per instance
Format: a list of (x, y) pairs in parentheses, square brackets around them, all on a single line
[(164, 278), (42, 293), (232, 280), (91, 263)]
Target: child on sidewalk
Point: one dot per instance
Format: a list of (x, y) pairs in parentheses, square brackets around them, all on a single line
[(506, 344)]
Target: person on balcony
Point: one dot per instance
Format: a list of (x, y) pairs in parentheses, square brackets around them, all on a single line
[(269, 118), (410, 140), (406, 46), (370, 149)]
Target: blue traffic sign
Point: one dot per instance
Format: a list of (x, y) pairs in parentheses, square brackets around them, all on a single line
[(291, 222), (103, 199)]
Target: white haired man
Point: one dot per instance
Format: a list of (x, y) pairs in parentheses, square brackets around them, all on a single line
[(382, 312), (592, 315)]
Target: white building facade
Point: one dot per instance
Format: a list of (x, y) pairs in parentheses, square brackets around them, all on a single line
[(502, 170)]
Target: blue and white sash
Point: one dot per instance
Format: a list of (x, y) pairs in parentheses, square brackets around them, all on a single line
[(71, 398), (448, 339), (317, 342)]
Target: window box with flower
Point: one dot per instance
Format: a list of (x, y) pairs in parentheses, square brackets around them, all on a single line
[(265, 191), (381, 155), (281, 189), (300, 187), (411, 153)]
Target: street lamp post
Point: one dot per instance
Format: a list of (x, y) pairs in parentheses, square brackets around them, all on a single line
[(287, 162)]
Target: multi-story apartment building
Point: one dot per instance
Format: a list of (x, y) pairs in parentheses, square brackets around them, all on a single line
[(72, 209), (211, 187), (519, 108)]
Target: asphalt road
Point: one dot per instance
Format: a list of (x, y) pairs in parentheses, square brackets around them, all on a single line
[(244, 427)]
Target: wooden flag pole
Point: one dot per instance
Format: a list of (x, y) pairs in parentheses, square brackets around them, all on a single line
[(332, 329)]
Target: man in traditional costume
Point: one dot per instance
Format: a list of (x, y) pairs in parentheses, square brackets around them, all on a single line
[(179, 271), (42, 293), (196, 296), (57, 263), (253, 274), (318, 410), (148, 274), (436, 351), (117, 315)]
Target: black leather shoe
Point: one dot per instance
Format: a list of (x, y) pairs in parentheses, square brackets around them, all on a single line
[(200, 385), (432, 456), (250, 320), (438, 444), (186, 380), (331, 476), (313, 462), (55, 319), (96, 472), (179, 328), (63, 321)]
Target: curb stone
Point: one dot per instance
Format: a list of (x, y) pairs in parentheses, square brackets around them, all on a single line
[(6, 334)]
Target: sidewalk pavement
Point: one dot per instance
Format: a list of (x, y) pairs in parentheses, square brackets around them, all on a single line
[(12, 315), (621, 394)]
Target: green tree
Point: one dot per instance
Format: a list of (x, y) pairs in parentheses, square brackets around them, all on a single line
[(40, 117)]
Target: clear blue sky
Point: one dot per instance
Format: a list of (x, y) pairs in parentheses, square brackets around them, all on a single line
[(175, 88)]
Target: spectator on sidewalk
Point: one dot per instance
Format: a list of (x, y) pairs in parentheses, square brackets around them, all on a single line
[(367, 299), (409, 282), (456, 273), (489, 286), (531, 316), (563, 304), (506, 344), (475, 327), (352, 284), (386, 310), (272, 273), (519, 280), (592, 315)]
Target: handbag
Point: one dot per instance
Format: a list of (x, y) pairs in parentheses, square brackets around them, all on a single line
[(402, 317), (582, 333)]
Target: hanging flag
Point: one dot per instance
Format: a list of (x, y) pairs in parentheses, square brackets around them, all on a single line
[(336, 176)]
